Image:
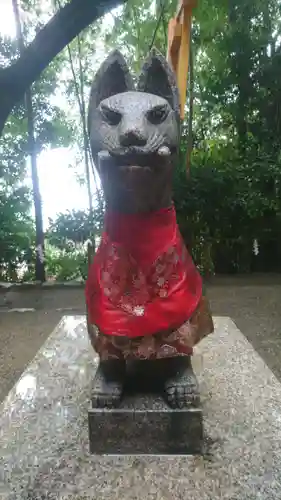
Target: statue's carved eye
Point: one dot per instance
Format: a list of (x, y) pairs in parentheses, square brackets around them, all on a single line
[(157, 115), (110, 115)]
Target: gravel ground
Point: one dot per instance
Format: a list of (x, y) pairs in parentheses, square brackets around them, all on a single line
[(254, 305)]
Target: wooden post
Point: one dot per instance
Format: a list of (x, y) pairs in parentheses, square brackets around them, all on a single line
[(174, 42), (179, 32)]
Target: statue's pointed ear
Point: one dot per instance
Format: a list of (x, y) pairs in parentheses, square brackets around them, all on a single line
[(157, 77), (113, 77)]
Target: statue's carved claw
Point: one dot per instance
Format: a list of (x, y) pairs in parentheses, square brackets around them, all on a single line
[(181, 389), (108, 384)]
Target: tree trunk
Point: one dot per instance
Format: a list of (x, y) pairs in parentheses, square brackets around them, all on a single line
[(62, 28), (241, 66), (39, 255), (84, 126), (190, 115)]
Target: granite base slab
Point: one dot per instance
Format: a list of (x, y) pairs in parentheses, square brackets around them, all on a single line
[(44, 441), (145, 425)]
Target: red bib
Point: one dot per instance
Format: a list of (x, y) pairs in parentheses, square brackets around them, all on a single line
[(142, 280)]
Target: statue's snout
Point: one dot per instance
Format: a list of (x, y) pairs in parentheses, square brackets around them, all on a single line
[(133, 137)]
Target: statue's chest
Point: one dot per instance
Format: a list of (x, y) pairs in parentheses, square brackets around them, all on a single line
[(131, 283)]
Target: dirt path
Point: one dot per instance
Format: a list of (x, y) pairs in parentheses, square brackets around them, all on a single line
[(255, 309)]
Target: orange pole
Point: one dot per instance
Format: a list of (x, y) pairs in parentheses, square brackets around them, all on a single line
[(179, 32), (174, 42)]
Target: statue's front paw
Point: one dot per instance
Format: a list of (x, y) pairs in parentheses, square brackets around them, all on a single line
[(182, 390), (108, 384), (107, 396)]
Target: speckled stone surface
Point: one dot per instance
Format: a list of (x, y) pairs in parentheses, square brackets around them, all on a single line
[(131, 428), (44, 430), (146, 426)]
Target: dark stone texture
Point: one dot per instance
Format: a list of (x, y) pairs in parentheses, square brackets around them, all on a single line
[(173, 378), (145, 425), (108, 384), (123, 120), (137, 127), (157, 77), (134, 131)]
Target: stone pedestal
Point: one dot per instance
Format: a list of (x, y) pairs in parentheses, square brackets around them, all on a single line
[(44, 434), (144, 424)]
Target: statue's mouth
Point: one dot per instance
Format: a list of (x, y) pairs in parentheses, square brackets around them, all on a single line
[(134, 160)]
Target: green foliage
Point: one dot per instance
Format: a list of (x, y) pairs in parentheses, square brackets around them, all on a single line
[(52, 129), (134, 28), (16, 232), (225, 205), (16, 227), (233, 195), (74, 226), (66, 248), (66, 264)]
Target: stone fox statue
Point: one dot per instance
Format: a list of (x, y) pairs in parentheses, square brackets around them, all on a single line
[(143, 293)]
